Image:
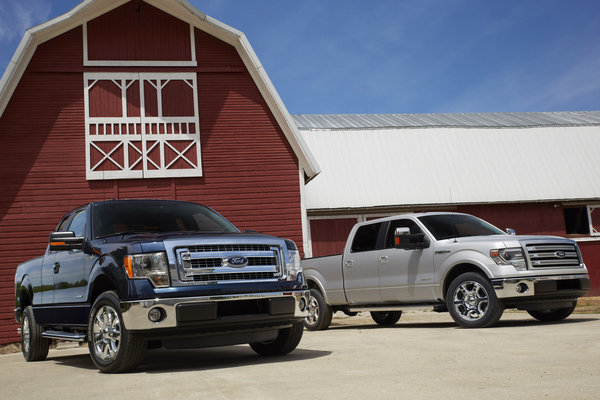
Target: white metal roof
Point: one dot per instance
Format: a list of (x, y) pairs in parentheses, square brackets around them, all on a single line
[(466, 120), (182, 9), (406, 166)]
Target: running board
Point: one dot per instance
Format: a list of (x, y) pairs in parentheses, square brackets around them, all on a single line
[(78, 337), (395, 307)]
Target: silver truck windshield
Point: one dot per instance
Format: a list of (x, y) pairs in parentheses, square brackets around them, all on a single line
[(448, 226), (132, 216)]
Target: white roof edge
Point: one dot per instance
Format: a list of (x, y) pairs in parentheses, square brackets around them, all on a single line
[(60, 24)]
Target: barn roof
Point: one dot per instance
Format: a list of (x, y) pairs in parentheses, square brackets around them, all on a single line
[(464, 120), (90, 9), (378, 161)]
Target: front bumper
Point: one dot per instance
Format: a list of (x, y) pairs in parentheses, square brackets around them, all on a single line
[(231, 311), (553, 286)]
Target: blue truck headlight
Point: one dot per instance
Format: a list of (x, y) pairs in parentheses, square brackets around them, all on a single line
[(511, 256), (293, 264), (152, 266)]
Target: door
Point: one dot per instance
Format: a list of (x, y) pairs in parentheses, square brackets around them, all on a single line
[(69, 266), (361, 275), (405, 275)]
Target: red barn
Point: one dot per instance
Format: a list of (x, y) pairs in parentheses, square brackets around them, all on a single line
[(141, 99)]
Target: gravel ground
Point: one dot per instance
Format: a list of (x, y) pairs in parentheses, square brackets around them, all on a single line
[(424, 356)]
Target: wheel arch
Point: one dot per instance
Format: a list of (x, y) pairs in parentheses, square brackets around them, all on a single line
[(315, 283), (101, 283), (458, 270)]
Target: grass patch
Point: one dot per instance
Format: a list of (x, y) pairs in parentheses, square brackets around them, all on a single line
[(588, 305)]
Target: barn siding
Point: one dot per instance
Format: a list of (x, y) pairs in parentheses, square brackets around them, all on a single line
[(137, 31), (250, 173)]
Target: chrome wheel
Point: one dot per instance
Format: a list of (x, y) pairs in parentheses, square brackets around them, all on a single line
[(313, 311), (26, 335), (106, 333), (471, 301)]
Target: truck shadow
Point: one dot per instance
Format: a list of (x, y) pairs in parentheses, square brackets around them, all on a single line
[(509, 323), (162, 360)]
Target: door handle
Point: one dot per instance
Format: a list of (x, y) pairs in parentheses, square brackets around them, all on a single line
[(384, 260), (56, 267), (348, 264)]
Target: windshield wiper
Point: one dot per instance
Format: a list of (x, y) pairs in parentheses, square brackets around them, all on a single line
[(122, 233)]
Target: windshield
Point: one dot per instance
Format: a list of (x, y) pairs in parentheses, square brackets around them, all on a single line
[(128, 216), (448, 226)]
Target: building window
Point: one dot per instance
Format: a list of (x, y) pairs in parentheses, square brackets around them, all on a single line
[(583, 220), (141, 125)]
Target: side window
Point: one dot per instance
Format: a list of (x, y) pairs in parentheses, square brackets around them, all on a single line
[(63, 224), (78, 223), (400, 223), (365, 238)]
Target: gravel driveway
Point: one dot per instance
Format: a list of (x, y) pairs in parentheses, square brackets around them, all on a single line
[(424, 356)]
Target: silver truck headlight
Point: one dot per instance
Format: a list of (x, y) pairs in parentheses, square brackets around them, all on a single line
[(512, 256), (152, 266), (293, 264)]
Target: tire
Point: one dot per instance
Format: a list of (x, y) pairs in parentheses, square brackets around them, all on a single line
[(472, 301), (112, 347), (33, 345), (319, 312), (554, 314), (351, 313), (386, 318), (286, 341)]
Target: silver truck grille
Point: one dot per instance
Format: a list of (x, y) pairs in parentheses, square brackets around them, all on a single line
[(222, 263), (553, 255)]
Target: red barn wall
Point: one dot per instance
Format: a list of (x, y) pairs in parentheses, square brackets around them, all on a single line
[(250, 173)]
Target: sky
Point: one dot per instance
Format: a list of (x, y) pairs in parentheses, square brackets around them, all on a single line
[(401, 56)]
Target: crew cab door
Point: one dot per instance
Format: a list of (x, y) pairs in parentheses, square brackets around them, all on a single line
[(360, 266), (69, 266), (405, 275)]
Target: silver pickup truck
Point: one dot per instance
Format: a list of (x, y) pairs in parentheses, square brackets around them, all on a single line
[(450, 261)]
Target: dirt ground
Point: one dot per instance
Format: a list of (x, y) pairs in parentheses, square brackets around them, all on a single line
[(423, 356)]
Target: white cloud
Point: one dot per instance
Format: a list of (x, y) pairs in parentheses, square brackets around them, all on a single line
[(18, 16)]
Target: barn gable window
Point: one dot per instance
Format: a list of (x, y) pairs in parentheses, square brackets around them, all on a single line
[(141, 125)]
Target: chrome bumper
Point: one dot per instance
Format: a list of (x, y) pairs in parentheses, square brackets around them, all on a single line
[(525, 287), (135, 313)]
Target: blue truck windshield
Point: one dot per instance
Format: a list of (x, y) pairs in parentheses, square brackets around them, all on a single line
[(119, 217)]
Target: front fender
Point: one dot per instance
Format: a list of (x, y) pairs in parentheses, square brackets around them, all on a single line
[(107, 267), (464, 257)]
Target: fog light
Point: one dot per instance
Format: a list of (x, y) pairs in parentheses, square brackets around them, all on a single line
[(522, 288), (157, 314), (302, 304)]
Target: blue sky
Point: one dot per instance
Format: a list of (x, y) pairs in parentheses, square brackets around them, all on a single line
[(397, 56)]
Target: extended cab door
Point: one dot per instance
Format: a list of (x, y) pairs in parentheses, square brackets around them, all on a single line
[(406, 275), (360, 266)]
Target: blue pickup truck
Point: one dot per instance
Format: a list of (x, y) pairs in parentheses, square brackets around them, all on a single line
[(125, 275)]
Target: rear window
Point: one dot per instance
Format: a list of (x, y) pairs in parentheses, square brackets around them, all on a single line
[(156, 216), (365, 238)]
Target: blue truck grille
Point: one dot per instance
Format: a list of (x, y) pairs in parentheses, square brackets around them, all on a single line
[(226, 263)]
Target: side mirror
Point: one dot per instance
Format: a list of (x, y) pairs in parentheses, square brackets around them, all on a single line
[(60, 241), (403, 239), (511, 231)]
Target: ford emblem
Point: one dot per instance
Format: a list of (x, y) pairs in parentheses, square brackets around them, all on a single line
[(236, 262), (560, 254)]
